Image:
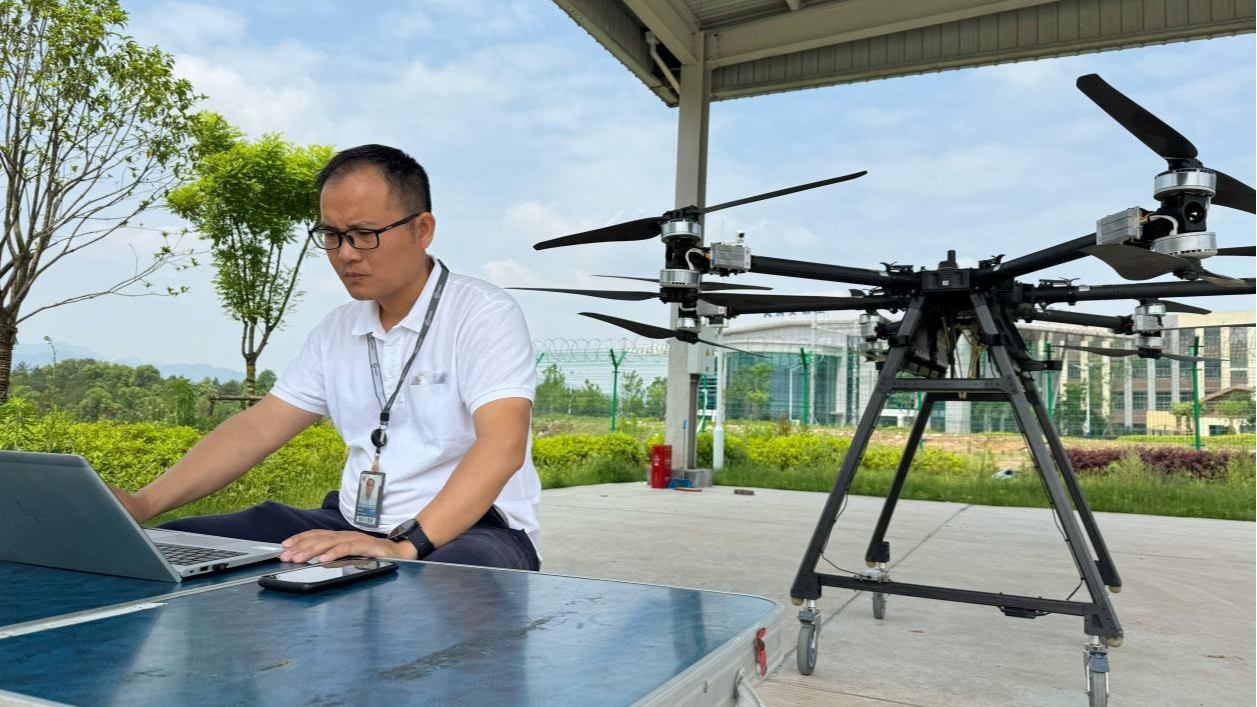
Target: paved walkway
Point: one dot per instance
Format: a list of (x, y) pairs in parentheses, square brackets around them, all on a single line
[(1187, 604)]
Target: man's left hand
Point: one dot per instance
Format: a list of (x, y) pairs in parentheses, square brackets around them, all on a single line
[(328, 545)]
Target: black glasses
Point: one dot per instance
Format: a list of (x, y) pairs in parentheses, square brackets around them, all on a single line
[(361, 238)]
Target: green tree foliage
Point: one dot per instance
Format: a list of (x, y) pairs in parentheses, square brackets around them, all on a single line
[(1236, 411), (91, 391), (1184, 412), (249, 201), (632, 394), (552, 395), (657, 398), (590, 400), (748, 392), (93, 133)]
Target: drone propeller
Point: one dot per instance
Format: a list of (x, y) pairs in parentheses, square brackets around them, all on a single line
[(1178, 306), (1120, 353), (651, 331), (1135, 263), (804, 302), (1162, 139), (644, 229), (1247, 250), (702, 286), (1187, 328), (624, 295)]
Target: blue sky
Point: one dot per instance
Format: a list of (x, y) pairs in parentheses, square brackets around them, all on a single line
[(530, 130)]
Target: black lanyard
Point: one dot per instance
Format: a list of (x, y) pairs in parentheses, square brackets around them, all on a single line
[(379, 437)]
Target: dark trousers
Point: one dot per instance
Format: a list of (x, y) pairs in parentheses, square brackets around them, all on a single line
[(488, 543)]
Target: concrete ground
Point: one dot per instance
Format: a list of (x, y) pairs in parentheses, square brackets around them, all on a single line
[(1187, 604)]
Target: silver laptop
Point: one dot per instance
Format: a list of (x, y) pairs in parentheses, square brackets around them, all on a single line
[(56, 511)]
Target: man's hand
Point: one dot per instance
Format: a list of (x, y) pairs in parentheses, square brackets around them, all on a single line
[(136, 507), (328, 545)]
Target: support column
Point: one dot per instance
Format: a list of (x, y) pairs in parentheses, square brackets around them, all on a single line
[(691, 188)]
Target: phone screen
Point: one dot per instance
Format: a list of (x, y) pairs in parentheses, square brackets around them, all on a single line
[(332, 570)]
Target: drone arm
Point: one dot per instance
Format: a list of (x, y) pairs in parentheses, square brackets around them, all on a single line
[(1116, 324), (1046, 258), (1144, 290), (878, 302), (828, 273)]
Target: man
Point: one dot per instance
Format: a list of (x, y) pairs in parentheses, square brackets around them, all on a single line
[(429, 378)]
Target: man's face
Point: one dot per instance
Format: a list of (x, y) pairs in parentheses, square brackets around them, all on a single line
[(361, 198)]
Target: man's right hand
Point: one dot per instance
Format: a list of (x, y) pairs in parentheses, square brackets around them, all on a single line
[(133, 504)]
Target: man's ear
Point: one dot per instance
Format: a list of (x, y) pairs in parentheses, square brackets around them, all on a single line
[(426, 226)]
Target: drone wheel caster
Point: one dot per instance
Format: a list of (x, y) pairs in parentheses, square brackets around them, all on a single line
[(809, 639), (1096, 664), (879, 605)]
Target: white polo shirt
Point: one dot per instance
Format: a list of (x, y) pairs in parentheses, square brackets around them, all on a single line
[(477, 351)]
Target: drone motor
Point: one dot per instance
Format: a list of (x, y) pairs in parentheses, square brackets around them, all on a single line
[(676, 278), (682, 229), (1198, 245)]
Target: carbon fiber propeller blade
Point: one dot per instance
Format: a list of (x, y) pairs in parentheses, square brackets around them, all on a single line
[(1248, 250), (804, 301), (646, 228), (643, 229), (783, 192), (1101, 350), (1138, 121), (1187, 359), (1135, 263), (651, 331), (1218, 279), (1180, 307), (1227, 326), (605, 294), (1235, 194), (702, 286)]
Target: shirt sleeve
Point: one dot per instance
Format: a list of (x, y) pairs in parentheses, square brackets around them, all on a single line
[(495, 357), (301, 383)]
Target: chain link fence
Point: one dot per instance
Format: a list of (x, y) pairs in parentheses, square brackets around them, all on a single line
[(807, 371)]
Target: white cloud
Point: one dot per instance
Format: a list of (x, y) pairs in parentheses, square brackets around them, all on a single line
[(189, 26)]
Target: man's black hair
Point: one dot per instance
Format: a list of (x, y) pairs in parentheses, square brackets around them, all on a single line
[(404, 175)]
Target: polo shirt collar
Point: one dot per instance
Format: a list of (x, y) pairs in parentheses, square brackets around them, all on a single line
[(368, 321)]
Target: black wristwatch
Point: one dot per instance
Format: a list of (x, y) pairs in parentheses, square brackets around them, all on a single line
[(410, 530)]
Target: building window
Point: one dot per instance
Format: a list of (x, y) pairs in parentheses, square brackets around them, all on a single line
[(1139, 400), (1163, 400)]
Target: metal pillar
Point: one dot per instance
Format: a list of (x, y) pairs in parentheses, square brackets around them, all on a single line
[(691, 188)]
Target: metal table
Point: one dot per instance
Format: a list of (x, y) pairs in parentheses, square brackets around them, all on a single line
[(431, 634)]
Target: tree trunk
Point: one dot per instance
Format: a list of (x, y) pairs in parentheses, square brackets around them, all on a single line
[(250, 375), (8, 338)]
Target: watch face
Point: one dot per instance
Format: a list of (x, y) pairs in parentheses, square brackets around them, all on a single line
[(401, 530)]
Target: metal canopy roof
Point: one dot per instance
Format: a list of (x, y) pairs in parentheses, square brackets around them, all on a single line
[(755, 47)]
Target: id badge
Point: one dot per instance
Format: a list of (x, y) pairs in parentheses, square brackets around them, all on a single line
[(370, 491)]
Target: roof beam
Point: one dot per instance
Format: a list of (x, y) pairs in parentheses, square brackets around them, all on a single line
[(673, 23), (824, 25)]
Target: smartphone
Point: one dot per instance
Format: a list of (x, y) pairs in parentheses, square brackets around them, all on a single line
[(332, 574)]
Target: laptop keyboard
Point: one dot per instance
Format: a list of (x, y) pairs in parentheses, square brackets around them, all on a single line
[(184, 555)]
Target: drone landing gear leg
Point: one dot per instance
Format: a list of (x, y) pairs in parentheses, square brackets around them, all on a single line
[(877, 557), (807, 584), (1099, 620), (1104, 561)]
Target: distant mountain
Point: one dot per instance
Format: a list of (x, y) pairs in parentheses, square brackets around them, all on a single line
[(41, 355)]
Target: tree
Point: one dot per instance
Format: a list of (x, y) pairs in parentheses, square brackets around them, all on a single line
[(632, 394), (1181, 412), (248, 200), (749, 391), (552, 394), (94, 130), (1236, 411), (657, 398)]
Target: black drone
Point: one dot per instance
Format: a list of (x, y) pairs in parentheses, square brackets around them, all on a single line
[(941, 306)]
